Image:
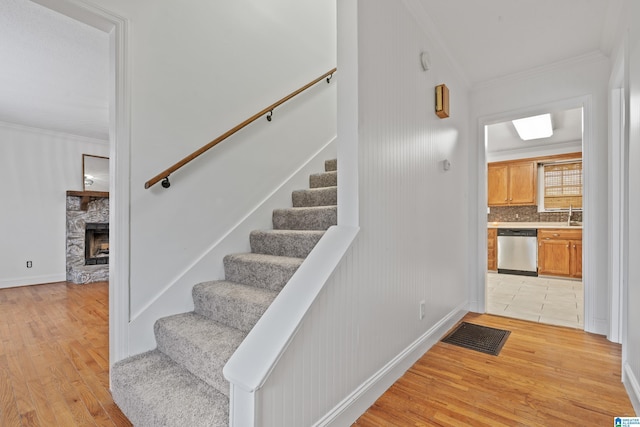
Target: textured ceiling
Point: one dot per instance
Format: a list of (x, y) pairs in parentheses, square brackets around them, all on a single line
[(54, 71)]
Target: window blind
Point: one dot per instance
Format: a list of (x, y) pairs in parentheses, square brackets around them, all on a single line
[(563, 185)]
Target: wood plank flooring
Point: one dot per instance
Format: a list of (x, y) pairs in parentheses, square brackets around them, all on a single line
[(54, 357), (544, 376), (54, 371)]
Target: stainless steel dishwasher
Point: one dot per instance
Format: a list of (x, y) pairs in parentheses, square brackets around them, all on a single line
[(518, 251)]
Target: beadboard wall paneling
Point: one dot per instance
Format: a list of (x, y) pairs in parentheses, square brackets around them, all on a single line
[(413, 215)]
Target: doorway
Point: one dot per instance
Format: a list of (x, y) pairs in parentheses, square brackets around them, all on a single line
[(119, 147), (535, 186)]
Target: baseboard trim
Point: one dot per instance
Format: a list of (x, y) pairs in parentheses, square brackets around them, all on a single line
[(632, 385), (31, 280), (354, 405)]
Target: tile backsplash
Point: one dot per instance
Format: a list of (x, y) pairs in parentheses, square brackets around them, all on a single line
[(528, 214)]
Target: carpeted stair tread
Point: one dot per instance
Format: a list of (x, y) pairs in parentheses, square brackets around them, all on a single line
[(264, 271), (199, 344), (288, 243), (325, 196), (232, 304), (331, 165), (311, 218), (181, 383), (153, 390), (324, 179)]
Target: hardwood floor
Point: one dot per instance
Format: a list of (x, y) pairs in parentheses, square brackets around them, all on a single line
[(54, 371), (544, 376), (54, 352)]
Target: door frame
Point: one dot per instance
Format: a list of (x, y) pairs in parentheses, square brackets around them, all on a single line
[(119, 153), (589, 254)]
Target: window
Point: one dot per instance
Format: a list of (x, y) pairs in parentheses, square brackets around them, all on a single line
[(563, 185)]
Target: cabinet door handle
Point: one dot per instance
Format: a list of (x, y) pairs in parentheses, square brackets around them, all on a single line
[(567, 246), (555, 234)]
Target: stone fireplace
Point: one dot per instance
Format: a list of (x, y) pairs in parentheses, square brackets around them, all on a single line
[(87, 236)]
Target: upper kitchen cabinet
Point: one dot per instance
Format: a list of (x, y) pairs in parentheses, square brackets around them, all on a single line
[(511, 183)]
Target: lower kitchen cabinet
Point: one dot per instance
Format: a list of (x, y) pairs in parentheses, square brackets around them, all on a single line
[(492, 249), (560, 252), (575, 266)]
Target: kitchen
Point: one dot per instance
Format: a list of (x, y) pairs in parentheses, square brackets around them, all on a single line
[(534, 231)]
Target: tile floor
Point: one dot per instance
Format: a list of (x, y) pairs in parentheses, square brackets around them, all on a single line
[(538, 299)]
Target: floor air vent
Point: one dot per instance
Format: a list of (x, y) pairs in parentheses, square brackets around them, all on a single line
[(480, 338)]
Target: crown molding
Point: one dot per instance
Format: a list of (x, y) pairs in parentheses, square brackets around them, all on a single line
[(586, 59), (54, 133)]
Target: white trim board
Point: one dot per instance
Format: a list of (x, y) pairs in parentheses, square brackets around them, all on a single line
[(31, 129), (31, 280), (633, 387), (175, 297), (119, 153)]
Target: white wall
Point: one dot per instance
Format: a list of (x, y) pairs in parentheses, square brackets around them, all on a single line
[(364, 329), (631, 340), (567, 84), (197, 69), (37, 168)]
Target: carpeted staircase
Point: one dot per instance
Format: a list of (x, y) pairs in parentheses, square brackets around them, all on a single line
[(180, 383)]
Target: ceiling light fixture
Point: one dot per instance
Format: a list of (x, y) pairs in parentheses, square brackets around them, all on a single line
[(534, 127)]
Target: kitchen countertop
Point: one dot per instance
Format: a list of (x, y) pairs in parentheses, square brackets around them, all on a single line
[(536, 225)]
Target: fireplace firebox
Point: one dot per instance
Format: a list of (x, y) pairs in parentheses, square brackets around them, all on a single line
[(96, 247)]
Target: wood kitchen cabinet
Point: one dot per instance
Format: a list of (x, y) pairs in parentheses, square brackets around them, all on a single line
[(511, 183), (560, 252), (575, 263), (492, 249)]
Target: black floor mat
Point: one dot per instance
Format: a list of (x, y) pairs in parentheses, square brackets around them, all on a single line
[(480, 338)]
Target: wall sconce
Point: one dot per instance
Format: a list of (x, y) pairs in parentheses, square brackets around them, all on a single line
[(442, 101)]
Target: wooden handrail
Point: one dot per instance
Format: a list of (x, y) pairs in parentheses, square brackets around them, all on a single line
[(164, 175)]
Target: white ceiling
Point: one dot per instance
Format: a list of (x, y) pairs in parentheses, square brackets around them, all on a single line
[(490, 39), (53, 71)]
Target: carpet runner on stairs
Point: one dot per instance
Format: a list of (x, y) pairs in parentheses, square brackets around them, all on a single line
[(180, 383)]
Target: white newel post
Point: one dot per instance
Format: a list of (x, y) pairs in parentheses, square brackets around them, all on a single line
[(242, 409)]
